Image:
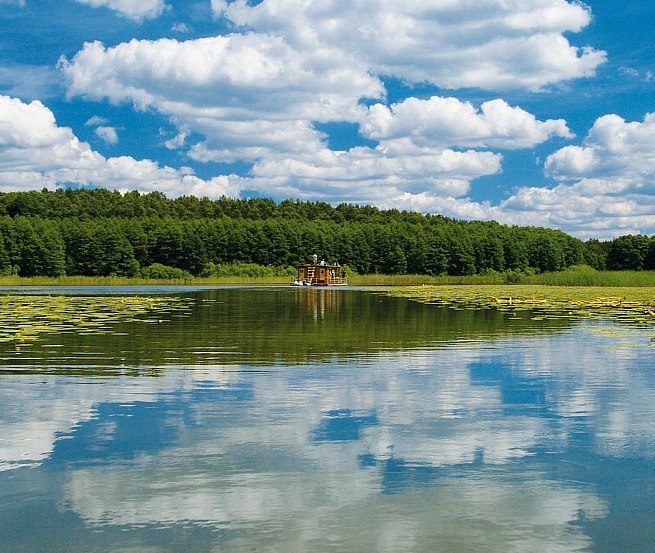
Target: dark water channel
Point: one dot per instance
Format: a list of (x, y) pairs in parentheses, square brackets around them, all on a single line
[(306, 420)]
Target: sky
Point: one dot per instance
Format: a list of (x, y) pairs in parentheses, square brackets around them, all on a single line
[(528, 112)]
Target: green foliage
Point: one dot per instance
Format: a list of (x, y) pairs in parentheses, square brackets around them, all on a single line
[(584, 275), (5, 265), (98, 248), (32, 247), (595, 254), (252, 270), (628, 252), (576, 275), (164, 272), (100, 233), (513, 276)]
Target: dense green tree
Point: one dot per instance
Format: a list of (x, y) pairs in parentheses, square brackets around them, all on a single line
[(488, 249), (37, 247), (5, 265), (11, 241), (649, 260), (434, 253), (628, 253), (99, 248), (52, 252), (135, 234), (176, 244), (545, 252), (595, 254), (515, 250), (461, 255), (97, 231), (111, 252)]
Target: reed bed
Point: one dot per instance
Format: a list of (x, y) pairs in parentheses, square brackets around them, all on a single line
[(414, 280), (586, 276), (574, 277), (129, 281)]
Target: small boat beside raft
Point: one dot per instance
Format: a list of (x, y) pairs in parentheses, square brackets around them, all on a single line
[(320, 274)]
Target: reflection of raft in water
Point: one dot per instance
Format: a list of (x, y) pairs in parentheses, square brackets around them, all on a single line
[(320, 274)]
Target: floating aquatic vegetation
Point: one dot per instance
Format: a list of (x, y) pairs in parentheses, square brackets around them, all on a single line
[(622, 305), (24, 318)]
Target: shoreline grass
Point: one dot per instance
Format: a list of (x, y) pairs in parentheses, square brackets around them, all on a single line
[(15, 281), (586, 276), (581, 276), (575, 276)]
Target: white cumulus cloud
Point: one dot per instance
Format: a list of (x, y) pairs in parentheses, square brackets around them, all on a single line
[(181, 28), (255, 98), (612, 148), (607, 183), (243, 77), (138, 10), (589, 208), (492, 44), (28, 125), (107, 134), (35, 152), (366, 175), (247, 94), (96, 120), (449, 121)]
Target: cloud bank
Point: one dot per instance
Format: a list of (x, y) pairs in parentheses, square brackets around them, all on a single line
[(607, 183), (259, 95), (35, 152), (491, 44)]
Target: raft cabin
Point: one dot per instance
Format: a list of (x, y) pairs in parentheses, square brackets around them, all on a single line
[(320, 274)]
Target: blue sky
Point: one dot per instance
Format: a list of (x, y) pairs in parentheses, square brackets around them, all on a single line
[(523, 111)]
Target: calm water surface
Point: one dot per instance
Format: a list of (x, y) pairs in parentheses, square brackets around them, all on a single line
[(294, 420)]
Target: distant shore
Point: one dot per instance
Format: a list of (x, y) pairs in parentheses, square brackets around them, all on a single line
[(575, 277)]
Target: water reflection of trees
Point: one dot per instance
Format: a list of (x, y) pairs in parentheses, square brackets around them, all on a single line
[(268, 326)]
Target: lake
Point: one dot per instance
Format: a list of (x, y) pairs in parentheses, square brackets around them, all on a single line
[(311, 420)]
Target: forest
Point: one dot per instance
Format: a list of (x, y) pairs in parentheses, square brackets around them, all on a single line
[(97, 232)]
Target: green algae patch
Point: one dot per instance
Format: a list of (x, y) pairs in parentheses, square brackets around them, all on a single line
[(620, 304), (24, 318)]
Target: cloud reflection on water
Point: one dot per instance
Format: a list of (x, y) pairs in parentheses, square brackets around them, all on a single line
[(409, 448)]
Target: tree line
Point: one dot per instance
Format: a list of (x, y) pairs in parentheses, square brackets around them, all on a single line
[(99, 232)]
